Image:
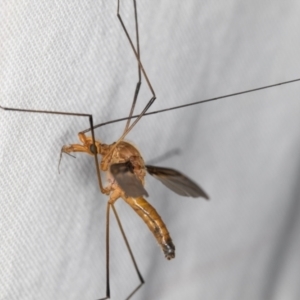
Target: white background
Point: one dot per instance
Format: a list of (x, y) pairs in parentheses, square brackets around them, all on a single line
[(244, 151)]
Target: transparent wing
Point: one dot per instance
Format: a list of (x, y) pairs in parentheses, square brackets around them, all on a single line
[(177, 182), (127, 180)]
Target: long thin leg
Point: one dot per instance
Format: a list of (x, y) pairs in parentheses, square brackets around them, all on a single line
[(110, 203), (107, 253), (194, 103), (141, 68), (136, 53), (66, 114), (138, 85), (133, 48), (142, 281)]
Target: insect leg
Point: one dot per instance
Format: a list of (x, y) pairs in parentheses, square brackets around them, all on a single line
[(113, 198), (136, 53), (142, 70), (138, 85), (107, 253), (142, 281), (65, 114), (133, 48), (194, 103)]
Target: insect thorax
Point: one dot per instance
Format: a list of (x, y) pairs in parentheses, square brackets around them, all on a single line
[(124, 152)]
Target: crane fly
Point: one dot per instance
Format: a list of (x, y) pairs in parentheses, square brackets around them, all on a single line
[(126, 176)]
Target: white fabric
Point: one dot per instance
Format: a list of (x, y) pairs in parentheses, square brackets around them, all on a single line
[(244, 151)]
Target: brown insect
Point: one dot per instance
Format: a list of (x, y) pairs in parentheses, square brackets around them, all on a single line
[(126, 170)]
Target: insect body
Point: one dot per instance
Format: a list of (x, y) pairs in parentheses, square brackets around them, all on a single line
[(126, 168), (127, 171)]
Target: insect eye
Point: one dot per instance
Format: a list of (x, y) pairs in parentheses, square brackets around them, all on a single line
[(93, 148)]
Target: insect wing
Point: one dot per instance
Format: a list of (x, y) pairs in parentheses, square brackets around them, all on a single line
[(177, 182), (127, 180)]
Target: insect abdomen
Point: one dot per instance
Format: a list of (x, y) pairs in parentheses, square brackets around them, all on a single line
[(154, 222)]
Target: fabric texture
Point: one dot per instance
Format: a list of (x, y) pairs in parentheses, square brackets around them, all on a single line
[(244, 151)]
